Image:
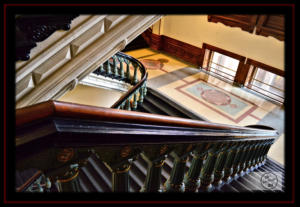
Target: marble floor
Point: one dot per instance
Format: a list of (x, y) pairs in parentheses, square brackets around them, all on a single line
[(210, 97)]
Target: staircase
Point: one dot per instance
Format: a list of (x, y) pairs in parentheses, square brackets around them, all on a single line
[(157, 103), (174, 161), (96, 177)]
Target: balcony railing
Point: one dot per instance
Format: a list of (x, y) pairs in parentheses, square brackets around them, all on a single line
[(128, 69)]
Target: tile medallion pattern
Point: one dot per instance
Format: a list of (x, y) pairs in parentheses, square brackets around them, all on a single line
[(226, 104)]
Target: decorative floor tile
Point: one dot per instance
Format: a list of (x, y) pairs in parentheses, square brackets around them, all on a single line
[(210, 97)]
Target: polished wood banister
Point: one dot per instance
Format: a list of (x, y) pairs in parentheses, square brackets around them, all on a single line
[(72, 110), (53, 135), (29, 181)]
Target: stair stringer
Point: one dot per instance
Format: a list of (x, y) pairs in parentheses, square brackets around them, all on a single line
[(69, 56)]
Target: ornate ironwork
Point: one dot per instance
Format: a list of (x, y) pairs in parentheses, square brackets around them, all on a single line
[(31, 29)]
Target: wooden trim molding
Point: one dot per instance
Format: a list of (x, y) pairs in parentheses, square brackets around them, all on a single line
[(266, 25), (225, 52), (183, 50), (265, 67), (31, 29), (153, 40), (245, 22), (240, 73), (271, 25), (177, 48)]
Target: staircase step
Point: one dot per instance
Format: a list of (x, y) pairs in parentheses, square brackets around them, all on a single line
[(228, 188), (240, 186), (275, 165), (136, 182), (150, 108), (180, 109), (84, 182), (99, 167), (87, 180), (256, 179), (246, 181), (164, 106)]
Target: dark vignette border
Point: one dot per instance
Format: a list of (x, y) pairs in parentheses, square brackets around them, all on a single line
[(9, 10)]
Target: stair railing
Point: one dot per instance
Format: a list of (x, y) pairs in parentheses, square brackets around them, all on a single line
[(128, 69), (57, 138)]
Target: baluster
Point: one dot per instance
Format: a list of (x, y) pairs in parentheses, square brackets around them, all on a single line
[(48, 184), (261, 157), (245, 158), (108, 68), (175, 182), (141, 99), (253, 164), (122, 105), (135, 79), (239, 160), (145, 88), (127, 105), (259, 154), (127, 70), (206, 174), (118, 159), (155, 157), (115, 71), (233, 156), (134, 104), (121, 67), (101, 69), (192, 178), (69, 181), (220, 164), (248, 166), (265, 153)]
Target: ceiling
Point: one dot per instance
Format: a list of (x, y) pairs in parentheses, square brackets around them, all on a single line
[(265, 25)]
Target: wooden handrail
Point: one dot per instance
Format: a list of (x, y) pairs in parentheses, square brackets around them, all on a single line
[(29, 181), (45, 130), (71, 110)]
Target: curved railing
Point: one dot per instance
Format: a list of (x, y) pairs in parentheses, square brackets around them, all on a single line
[(64, 135), (128, 69)]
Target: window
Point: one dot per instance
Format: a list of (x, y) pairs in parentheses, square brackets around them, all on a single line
[(223, 66), (221, 63), (266, 80)]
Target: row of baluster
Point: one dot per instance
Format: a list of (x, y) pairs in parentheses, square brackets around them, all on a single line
[(212, 165), (114, 68), (135, 99)]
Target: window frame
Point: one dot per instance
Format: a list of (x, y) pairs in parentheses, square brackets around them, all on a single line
[(239, 76), (258, 65)]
